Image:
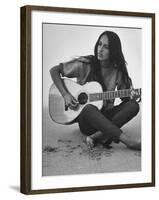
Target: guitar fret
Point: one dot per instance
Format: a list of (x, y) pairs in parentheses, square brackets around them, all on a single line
[(110, 95), (126, 93), (118, 93), (113, 94), (122, 94)]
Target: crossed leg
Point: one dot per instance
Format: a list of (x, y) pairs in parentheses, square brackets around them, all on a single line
[(91, 120)]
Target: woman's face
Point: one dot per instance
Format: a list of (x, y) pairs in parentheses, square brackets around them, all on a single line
[(103, 48)]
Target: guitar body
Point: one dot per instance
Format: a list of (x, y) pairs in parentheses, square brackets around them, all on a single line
[(57, 109)]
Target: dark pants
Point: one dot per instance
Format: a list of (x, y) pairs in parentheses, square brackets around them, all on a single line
[(109, 122)]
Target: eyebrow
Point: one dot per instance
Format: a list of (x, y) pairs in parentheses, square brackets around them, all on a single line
[(103, 43)]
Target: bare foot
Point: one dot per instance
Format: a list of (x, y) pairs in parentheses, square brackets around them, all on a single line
[(89, 142), (107, 144), (129, 142)]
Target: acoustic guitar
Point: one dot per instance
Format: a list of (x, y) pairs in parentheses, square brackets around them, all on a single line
[(90, 93)]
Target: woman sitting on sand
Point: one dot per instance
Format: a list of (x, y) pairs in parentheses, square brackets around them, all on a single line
[(108, 67)]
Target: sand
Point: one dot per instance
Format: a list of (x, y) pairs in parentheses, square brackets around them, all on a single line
[(65, 151)]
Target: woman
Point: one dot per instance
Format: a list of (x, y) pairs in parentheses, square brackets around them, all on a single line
[(108, 67)]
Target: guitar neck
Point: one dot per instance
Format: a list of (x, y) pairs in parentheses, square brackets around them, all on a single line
[(113, 94)]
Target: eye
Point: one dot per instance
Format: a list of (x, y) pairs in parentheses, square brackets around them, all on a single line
[(106, 46), (100, 43)]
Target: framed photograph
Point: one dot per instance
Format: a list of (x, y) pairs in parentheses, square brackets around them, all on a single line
[(87, 99)]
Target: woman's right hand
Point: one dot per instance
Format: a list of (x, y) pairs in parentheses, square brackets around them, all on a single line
[(70, 102)]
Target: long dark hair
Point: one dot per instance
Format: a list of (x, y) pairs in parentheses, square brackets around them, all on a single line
[(116, 56)]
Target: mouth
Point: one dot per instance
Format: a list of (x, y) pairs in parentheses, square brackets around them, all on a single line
[(100, 54)]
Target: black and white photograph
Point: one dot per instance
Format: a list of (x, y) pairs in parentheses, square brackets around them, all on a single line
[(91, 99), (87, 99)]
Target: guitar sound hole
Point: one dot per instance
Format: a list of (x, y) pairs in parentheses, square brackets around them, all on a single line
[(82, 98)]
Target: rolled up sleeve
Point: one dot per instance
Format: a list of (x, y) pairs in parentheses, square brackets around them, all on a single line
[(79, 68), (71, 69)]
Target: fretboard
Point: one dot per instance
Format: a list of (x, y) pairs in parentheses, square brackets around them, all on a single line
[(113, 94)]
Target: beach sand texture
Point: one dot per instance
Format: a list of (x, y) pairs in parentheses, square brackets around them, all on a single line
[(65, 151)]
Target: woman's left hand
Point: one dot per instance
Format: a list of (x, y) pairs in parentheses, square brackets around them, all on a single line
[(134, 95)]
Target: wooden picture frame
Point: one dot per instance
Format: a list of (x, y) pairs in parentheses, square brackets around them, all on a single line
[(32, 20)]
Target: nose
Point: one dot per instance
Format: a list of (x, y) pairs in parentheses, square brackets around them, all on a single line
[(100, 49)]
